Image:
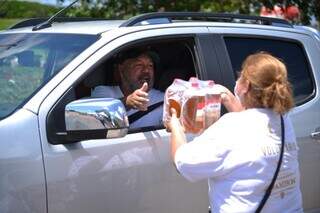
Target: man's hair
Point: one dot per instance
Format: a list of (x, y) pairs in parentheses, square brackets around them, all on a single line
[(136, 52)]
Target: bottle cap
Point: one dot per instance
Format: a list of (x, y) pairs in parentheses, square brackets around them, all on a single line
[(210, 83), (195, 84)]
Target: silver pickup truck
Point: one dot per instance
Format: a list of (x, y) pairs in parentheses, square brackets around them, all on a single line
[(62, 151)]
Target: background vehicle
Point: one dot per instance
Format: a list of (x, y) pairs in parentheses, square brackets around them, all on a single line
[(48, 166)]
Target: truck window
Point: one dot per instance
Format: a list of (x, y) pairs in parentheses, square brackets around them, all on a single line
[(175, 59), (290, 52), (28, 61), (171, 59)]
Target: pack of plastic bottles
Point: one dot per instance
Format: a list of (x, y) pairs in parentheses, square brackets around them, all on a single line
[(197, 103)]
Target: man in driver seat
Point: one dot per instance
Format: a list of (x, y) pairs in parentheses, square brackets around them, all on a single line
[(144, 104)]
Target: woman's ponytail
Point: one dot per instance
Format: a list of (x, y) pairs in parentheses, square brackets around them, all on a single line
[(277, 97)]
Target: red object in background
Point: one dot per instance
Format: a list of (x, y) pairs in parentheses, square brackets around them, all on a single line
[(279, 11), (276, 12), (264, 11), (290, 13)]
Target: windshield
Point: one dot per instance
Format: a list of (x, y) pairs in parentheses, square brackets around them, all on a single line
[(27, 61)]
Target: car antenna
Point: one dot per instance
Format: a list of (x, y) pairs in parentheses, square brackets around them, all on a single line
[(48, 22)]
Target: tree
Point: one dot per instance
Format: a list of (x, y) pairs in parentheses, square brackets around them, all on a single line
[(127, 8), (307, 8), (20, 9), (316, 9)]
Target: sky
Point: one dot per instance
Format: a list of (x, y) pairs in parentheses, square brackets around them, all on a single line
[(48, 1), (51, 2)]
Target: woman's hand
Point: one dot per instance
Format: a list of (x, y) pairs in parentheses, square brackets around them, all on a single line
[(230, 102), (174, 123)]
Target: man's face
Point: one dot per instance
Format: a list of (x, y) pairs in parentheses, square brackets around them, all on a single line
[(134, 72)]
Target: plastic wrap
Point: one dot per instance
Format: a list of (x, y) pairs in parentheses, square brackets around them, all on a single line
[(197, 103)]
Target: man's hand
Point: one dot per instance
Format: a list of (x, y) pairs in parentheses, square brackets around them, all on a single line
[(139, 98)]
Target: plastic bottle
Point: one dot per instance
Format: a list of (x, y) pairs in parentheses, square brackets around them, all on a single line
[(197, 104), (212, 104), (173, 98), (193, 108)]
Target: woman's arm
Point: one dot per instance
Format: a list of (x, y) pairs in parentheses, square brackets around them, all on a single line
[(178, 136)]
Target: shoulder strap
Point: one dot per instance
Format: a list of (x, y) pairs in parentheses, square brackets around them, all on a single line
[(137, 115), (268, 191)]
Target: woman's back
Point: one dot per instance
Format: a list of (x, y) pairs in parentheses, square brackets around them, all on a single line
[(253, 154)]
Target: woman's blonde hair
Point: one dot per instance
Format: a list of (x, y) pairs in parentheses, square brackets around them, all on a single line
[(268, 83)]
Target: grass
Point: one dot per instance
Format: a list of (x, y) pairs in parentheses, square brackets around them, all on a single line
[(5, 23)]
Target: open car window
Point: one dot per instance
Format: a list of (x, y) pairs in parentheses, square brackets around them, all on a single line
[(174, 58)]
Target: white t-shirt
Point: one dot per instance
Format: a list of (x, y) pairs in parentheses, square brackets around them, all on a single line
[(238, 155), (153, 118)]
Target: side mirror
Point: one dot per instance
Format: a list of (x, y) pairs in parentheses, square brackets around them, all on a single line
[(95, 118)]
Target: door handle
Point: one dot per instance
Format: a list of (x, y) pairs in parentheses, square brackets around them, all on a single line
[(316, 135)]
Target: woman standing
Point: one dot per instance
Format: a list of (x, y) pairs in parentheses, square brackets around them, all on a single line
[(239, 153)]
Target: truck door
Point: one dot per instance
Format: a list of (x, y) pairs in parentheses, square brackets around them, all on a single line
[(300, 56), (129, 174)]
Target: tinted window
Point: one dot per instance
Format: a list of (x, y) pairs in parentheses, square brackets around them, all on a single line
[(27, 61), (291, 53)]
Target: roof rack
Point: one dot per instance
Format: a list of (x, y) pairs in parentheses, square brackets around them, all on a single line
[(37, 21), (167, 17)]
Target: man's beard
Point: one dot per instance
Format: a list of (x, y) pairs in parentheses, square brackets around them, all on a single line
[(141, 80)]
